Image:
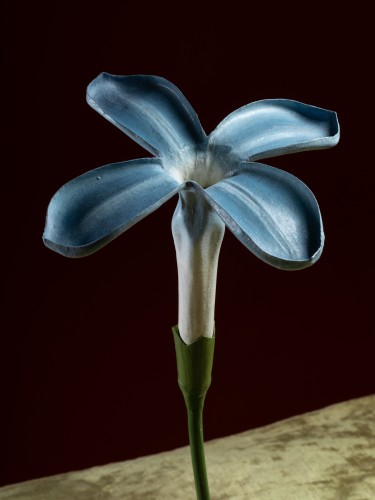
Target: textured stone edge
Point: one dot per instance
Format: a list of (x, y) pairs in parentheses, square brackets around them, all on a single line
[(268, 456)]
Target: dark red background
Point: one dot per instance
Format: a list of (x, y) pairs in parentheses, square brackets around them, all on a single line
[(87, 359)]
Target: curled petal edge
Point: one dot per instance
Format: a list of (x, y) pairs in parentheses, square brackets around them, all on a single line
[(235, 226), (149, 109), (63, 230), (274, 127)]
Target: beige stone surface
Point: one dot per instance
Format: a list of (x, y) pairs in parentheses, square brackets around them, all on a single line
[(327, 454)]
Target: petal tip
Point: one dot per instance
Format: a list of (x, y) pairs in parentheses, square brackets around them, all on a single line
[(335, 127), (61, 249)]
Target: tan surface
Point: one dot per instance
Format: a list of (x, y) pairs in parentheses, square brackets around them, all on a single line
[(328, 454)]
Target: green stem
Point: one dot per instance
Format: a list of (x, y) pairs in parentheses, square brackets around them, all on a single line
[(197, 452), (194, 366)]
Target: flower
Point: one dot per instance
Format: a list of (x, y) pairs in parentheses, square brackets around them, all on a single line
[(218, 177)]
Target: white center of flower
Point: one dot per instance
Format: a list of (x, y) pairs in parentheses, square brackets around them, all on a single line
[(197, 164)]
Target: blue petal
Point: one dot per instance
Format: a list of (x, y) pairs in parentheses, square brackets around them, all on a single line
[(150, 109), (272, 213), (275, 127), (91, 210)]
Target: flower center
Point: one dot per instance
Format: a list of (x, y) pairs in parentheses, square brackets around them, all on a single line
[(197, 164)]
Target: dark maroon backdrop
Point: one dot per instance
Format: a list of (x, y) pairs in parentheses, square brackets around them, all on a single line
[(87, 360)]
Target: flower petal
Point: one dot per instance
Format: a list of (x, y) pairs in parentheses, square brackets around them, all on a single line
[(272, 213), (150, 109), (275, 127), (92, 209)]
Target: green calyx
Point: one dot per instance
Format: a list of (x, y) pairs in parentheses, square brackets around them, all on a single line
[(194, 367)]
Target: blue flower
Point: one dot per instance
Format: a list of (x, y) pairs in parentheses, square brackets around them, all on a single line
[(218, 177)]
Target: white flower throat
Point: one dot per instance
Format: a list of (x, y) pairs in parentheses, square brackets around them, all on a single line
[(199, 164)]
